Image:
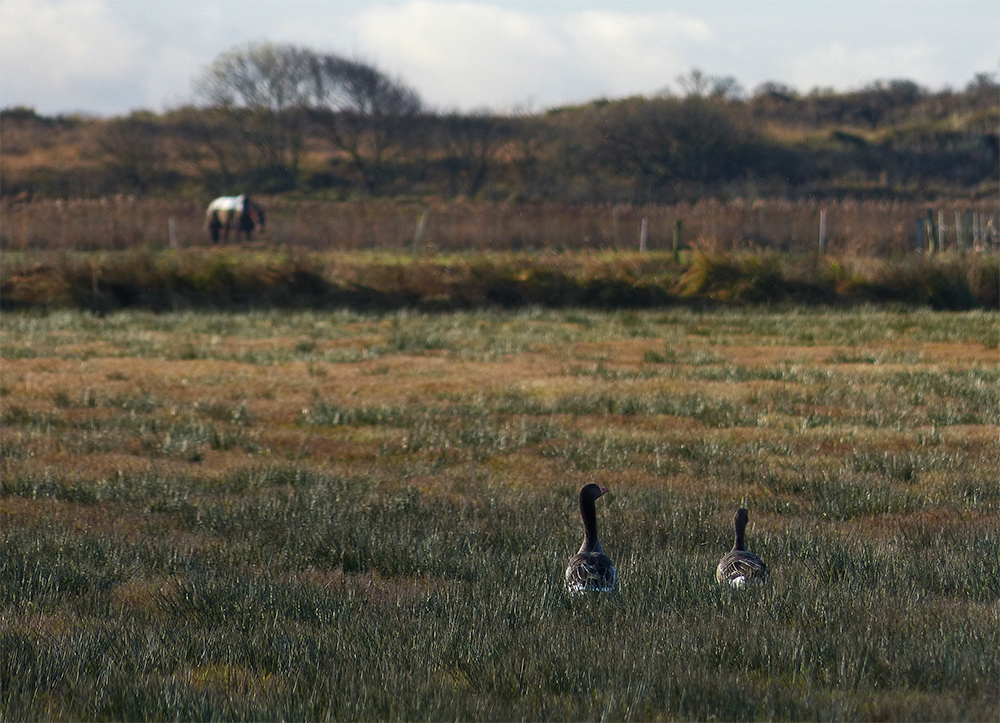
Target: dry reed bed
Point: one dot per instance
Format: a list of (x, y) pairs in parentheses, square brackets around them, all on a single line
[(856, 228)]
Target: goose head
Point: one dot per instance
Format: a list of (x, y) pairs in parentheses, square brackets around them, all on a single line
[(591, 492)]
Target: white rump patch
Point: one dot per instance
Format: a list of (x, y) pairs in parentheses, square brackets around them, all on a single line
[(578, 588), (741, 581)]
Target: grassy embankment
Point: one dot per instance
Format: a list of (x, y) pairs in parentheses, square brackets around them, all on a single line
[(230, 279), (340, 515)]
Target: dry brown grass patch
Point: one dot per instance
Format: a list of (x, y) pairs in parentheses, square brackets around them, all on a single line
[(143, 596), (105, 520)]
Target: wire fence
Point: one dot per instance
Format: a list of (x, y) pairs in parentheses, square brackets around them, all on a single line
[(856, 228)]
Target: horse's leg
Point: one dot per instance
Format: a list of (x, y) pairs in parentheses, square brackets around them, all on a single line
[(214, 226), (246, 224)]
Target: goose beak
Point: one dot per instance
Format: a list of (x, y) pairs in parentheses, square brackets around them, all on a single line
[(604, 491)]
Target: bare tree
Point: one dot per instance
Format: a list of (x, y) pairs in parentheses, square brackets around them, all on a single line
[(207, 140), (696, 84), (272, 94), (135, 152), (531, 135), (365, 113), (265, 89), (471, 144), (666, 141)]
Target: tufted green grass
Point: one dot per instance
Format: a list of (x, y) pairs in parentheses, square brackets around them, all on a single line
[(366, 516)]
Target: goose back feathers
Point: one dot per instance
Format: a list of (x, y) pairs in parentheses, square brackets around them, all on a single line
[(590, 569), (739, 567)]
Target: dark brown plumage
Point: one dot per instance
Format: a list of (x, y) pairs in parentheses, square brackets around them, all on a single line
[(739, 566), (590, 569)]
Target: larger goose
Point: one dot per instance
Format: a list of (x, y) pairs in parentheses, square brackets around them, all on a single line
[(739, 566), (590, 568)]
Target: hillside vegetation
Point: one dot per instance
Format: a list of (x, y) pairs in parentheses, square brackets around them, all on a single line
[(891, 140)]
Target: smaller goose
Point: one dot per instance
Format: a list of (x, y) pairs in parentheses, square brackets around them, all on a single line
[(738, 566), (590, 569)]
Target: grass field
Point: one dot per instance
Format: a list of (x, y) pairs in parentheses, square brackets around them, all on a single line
[(339, 515)]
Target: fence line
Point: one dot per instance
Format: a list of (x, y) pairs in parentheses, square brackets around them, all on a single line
[(972, 231), (877, 229)]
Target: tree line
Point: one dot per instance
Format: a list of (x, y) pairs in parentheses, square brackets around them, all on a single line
[(280, 118)]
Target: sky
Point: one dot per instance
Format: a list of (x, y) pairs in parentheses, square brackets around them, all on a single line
[(110, 57)]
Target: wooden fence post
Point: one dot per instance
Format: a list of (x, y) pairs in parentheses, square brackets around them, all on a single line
[(677, 241), (930, 234), (418, 235), (822, 231), (643, 235)]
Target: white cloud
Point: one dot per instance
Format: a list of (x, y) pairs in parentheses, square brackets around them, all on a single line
[(631, 53), (467, 55), (167, 80), (841, 66), (56, 44), (110, 56)]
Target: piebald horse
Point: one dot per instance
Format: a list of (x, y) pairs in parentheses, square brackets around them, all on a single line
[(233, 212)]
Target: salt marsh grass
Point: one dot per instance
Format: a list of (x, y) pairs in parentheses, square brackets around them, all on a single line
[(343, 515)]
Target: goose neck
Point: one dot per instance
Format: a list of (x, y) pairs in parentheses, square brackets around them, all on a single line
[(740, 543), (591, 542)]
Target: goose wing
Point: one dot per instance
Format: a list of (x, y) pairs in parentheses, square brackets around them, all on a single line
[(738, 567), (590, 571)]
